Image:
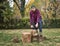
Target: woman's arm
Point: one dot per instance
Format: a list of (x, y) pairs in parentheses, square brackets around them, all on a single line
[(30, 18), (38, 16)]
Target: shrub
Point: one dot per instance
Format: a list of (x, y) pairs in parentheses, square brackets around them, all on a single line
[(24, 23)]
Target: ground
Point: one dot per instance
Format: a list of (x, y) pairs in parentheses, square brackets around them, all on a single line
[(52, 35)]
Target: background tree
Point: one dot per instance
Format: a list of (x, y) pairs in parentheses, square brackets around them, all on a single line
[(5, 12), (21, 6)]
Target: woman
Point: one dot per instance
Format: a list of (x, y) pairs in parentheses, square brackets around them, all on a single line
[(36, 20)]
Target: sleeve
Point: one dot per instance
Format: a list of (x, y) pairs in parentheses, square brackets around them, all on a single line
[(38, 16), (30, 18)]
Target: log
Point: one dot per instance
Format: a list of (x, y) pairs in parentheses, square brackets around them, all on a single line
[(34, 35)]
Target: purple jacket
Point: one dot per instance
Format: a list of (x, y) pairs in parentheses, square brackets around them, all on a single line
[(35, 16)]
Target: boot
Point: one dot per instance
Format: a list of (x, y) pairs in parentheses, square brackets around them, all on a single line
[(40, 36)]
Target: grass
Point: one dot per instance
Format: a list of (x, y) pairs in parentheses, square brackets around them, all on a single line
[(53, 38)]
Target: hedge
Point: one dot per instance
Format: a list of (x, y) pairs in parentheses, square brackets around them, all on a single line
[(25, 24)]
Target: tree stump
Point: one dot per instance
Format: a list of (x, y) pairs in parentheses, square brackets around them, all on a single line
[(15, 39), (26, 37)]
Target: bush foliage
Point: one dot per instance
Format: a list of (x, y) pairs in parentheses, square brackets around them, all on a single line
[(25, 24)]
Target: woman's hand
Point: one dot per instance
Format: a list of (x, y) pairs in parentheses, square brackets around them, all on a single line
[(32, 26), (36, 25)]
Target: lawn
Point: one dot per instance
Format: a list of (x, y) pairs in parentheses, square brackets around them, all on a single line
[(53, 38)]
